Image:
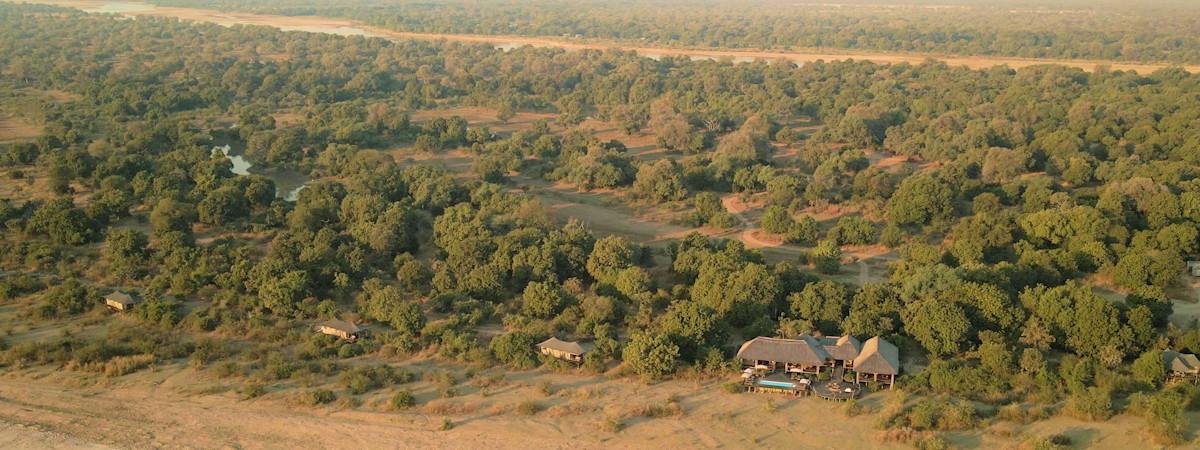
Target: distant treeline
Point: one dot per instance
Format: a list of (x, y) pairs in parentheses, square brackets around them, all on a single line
[(1162, 32)]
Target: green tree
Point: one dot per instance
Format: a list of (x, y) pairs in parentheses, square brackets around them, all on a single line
[(609, 257), (515, 349), (127, 253), (940, 326), (1150, 368), (387, 304), (824, 303), (691, 327), (542, 300), (659, 182), (651, 355), (282, 294), (921, 199)]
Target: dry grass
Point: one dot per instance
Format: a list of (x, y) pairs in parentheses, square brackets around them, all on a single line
[(14, 129)]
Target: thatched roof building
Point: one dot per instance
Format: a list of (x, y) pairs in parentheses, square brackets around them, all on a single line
[(566, 350), (120, 301), (339, 328), (878, 357), (844, 348), (805, 352), (1182, 366)]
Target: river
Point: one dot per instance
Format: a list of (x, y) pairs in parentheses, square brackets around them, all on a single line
[(288, 184)]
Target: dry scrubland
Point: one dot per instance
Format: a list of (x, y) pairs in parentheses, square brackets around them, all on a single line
[(178, 406)]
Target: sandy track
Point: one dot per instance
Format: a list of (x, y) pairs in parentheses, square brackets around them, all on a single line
[(344, 26)]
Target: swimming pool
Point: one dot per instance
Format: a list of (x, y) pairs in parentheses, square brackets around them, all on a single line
[(778, 384)]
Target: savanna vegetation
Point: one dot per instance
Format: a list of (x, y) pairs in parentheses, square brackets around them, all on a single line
[(1158, 31), (1017, 196)]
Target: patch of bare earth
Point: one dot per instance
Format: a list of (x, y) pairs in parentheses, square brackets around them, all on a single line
[(14, 129)]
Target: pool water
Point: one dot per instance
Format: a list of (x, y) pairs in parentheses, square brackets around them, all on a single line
[(779, 384)]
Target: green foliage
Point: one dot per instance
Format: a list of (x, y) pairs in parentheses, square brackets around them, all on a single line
[(159, 311), (387, 304), (127, 253), (853, 230), (921, 199), (1164, 416), (651, 355), (62, 222), (69, 298), (1150, 368), (363, 379), (609, 257), (515, 349), (403, 399), (824, 303), (940, 326), (659, 182), (543, 300), (1093, 404), (316, 397), (827, 257), (692, 327)]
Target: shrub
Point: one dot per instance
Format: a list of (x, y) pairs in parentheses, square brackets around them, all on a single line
[(252, 389), (932, 443), (122, 365), (317, 397), (1163, 412), (515, 349), (1093, 404), (403, 399), (528, 407), (363, 379), (227, 369), (611, 424)]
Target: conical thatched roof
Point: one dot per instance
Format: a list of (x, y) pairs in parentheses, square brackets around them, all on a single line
[(878, 356)]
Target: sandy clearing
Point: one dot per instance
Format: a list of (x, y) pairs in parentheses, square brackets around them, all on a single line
[(349, 27), (176, 407), (14, 129)]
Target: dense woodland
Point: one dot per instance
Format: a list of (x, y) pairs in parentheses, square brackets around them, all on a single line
[(1145, 31), (1033, 186)]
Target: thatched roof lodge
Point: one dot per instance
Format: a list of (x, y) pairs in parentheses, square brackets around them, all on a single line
[(572, 351), (880, 360), (1182, 366), (842, 350), (803, 355), (120, 301), (339, 328), (876, 360)]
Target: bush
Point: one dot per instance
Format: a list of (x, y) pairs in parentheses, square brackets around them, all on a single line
[(123, 365), (515, 349), (1164, 414), (1093, 404), (528, 407), (317, 397), (363, 379), (252, 389), (403, 400), (932, 443)]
